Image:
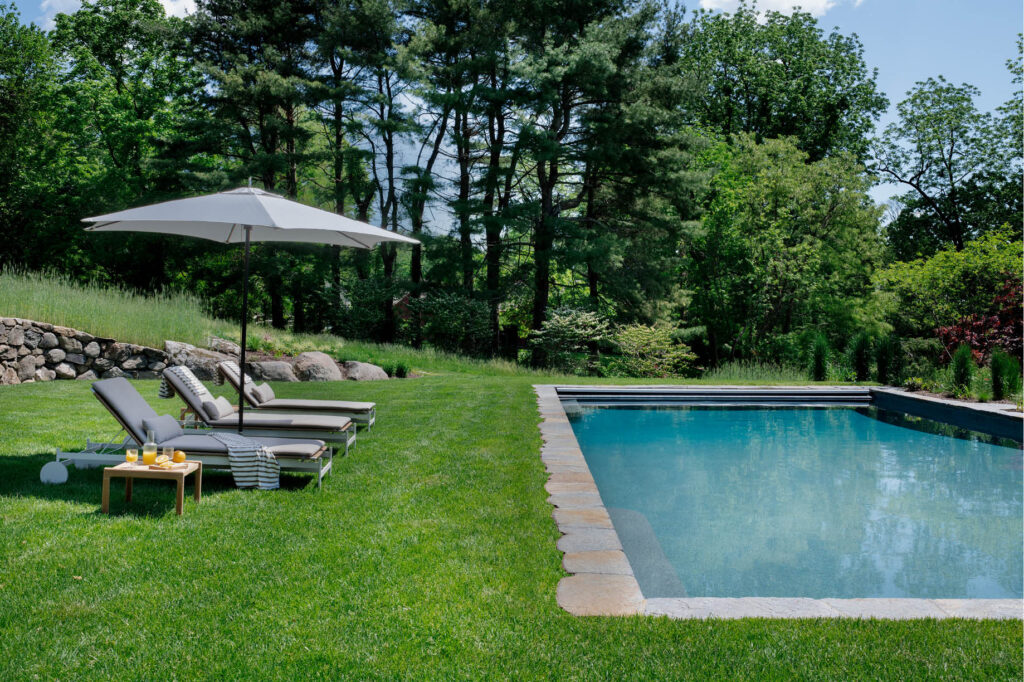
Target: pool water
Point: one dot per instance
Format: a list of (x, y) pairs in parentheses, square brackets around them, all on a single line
[(807, 502)]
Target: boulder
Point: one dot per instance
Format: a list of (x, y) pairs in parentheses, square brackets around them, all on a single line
[(70, 344), (39, 360), (27, 368), (92, 350), (87, 376), (273, 370), (118, 352), (113, 373), (102, 364), (9, 377), (16, 337), (147, 374), (8, 353), (224, 346), (83, 337), (48, 341), (55, 355), (37, 351), (43, 374), (22, 351), (201, 361), (75, 358), (364, 371), (156, 365), (316, 366), (4, 331), (133, 363), (32, 337), (65, 371)]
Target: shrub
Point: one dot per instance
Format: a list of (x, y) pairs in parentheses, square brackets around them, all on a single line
[(1003, 328), (921, 357), (566, 337), (650, 352), (1006, 377), (889, 360), (963, 369), (454, 323), (913, 384), (401, 370), (860, 357), (819, 357), (389, 370)]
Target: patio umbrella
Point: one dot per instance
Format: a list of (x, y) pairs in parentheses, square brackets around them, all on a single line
[(241, 216)]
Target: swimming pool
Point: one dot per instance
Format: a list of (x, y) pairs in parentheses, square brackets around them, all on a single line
[(819, 502)]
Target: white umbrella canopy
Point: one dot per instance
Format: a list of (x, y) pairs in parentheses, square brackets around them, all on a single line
[(220, 217), (240, 216)]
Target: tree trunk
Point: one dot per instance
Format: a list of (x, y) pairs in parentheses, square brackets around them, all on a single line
[(462, 207)]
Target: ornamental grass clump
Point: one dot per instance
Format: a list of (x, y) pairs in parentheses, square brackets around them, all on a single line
[(1006, 377), (889, 361), (819, 358), (963, 370), (860, 357)]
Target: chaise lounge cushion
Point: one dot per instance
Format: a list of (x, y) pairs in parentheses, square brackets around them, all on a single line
[(263, 393), (164, 427), (198, 444), (218, 408)]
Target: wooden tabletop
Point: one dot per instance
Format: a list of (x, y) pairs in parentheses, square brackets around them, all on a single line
[(139, 470)]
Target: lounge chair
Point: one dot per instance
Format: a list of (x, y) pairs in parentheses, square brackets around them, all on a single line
[(133, 413), (262, 398), (220, 415)]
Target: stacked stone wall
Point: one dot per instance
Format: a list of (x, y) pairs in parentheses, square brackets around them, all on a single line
[(37, 351)]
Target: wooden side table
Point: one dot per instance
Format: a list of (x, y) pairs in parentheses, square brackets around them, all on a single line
[(130, 471)]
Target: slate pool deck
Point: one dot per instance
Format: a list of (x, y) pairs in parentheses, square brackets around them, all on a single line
[(602, 581)]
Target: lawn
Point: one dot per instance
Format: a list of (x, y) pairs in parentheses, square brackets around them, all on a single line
[(429, 553)]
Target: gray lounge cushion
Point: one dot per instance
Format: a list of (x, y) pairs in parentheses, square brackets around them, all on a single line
[(199, 444), (325, 406), (125, 402), (219, 408), (164, 427), (263, 393)]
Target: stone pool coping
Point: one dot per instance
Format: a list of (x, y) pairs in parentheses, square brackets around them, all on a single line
[(602, 581)]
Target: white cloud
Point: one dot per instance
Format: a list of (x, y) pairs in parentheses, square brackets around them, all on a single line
[(178, 8), (51, 8), (816, 8)]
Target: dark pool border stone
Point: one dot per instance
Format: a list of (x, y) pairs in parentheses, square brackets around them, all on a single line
[(601, 580)]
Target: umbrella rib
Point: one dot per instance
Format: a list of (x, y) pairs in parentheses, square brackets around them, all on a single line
[(349, 236), (233, 226)]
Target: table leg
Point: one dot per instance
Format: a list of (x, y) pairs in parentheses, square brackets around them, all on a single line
[(106, 493), (128, 481), (181, 494), (199, 482)]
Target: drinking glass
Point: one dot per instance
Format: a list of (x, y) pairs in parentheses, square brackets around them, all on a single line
[(131, 455)]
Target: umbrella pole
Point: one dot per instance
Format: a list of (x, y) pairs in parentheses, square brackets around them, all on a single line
[(245, 322)]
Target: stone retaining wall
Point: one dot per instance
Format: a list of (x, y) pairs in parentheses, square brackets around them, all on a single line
[(37, 351)]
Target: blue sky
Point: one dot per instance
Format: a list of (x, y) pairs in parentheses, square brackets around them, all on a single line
[(906, 40)]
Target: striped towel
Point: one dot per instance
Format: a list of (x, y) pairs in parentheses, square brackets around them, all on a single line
[(252, 465)]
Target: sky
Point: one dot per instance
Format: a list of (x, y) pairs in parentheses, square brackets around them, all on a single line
[(906, 40)]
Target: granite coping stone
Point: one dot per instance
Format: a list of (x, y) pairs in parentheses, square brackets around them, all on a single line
[(603, 583)]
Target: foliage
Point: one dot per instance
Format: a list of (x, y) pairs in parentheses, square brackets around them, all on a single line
[(650, 351), (401, 370), (860, 356), (1003, 329), (962, 370), (566, 337), (889, 358), (784, 245), (775, 74), (962, 166), (819, 357), (928, 293), (1006, 374), (453, 323)]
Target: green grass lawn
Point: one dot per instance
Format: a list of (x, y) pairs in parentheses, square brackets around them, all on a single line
[(429, 553)]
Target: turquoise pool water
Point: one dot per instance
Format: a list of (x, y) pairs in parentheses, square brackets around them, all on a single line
[(807, 502)]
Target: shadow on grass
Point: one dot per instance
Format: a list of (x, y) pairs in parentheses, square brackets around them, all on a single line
[(151, 498)]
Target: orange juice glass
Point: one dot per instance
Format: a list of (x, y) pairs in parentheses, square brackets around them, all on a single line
[(131, 455)]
